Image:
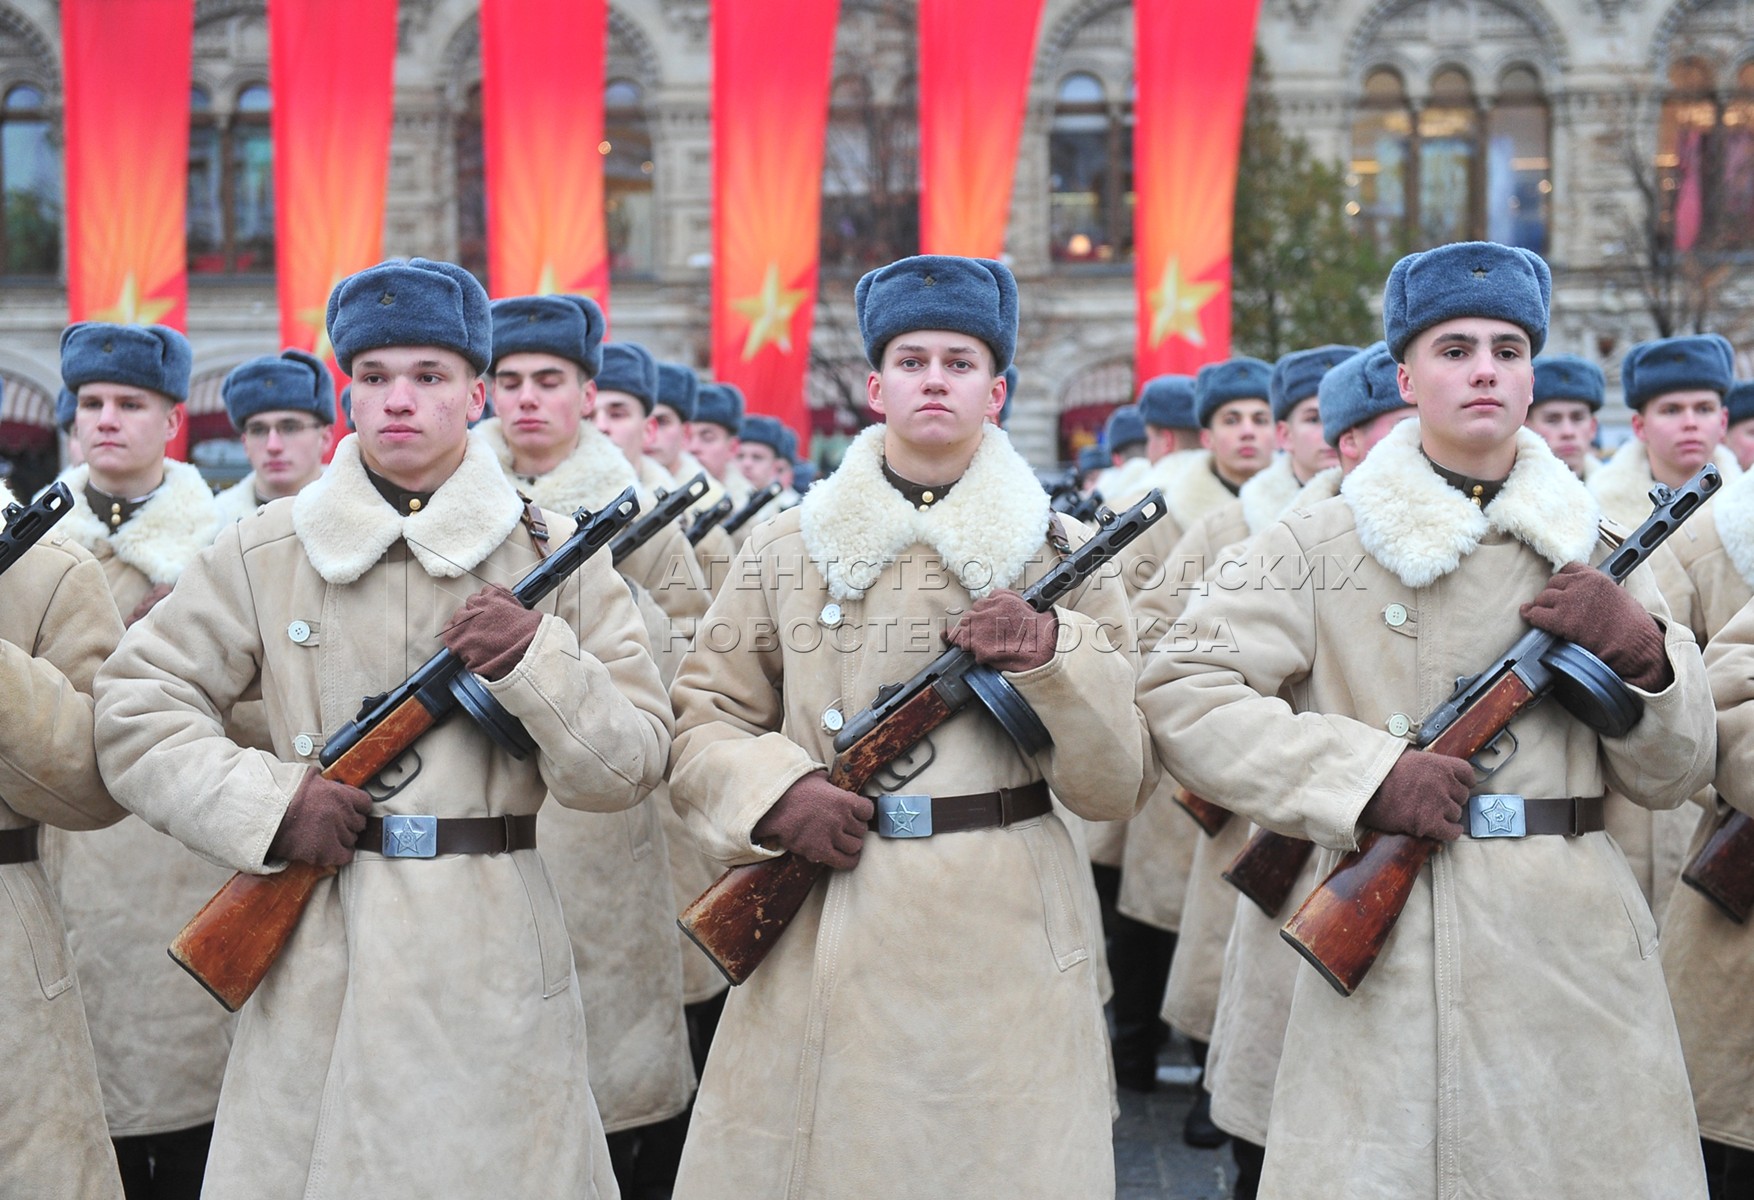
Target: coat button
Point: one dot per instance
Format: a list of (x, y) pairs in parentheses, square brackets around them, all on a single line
[(831, 616), (1395, 615), (299, 632), (1399, 724), (302, 745), (833, 721)]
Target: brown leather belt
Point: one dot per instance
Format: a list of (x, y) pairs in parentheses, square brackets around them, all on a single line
[(18, 845), (401, 836), (1495, 815), (905, 816)]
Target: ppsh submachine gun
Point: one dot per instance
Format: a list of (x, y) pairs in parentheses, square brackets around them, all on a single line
[(666, 511), (760, 500), (26, 524)]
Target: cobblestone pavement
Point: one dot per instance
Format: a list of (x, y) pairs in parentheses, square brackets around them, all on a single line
[(1151, 1163)]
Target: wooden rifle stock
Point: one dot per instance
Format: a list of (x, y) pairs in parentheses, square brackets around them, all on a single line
[(1720, 871), (1267, 868), (1341, 928), (234, 939), (1207, 815), (738, 919)]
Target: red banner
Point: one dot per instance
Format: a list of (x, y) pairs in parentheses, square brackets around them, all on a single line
[(330, 68), (542, 76), (1193, 74), (975, 58), (771, 65), (126, 123)]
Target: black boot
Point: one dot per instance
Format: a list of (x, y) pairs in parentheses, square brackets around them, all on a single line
[(1249, 1158), (1198, 1130)]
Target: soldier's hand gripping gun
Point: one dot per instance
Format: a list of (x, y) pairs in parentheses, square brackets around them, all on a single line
[(1341, 928), (234, 939), (27, 523), (741, 916), (667, 511)]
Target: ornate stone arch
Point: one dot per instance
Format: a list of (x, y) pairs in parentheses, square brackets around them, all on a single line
[(1722, 30), (1057, 39), (30, 56), (1480, 36), (631, 52)]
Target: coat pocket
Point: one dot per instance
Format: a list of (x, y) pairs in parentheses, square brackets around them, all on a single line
[(1050, 849), (1644, 925), (552, 943), (29, 892)]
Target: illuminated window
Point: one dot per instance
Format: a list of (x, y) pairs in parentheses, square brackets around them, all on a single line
[(1090, 165), (1705, 159), (628, 167), (230, 215), (30, 181)]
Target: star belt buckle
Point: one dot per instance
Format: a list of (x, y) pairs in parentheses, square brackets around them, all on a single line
[(410, 837), (904, 816), (1495, 816)]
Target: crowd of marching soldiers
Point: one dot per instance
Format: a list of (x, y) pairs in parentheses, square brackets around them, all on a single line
[(1330, 541)]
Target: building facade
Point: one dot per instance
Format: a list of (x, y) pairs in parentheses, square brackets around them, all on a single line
[(1616, 137)]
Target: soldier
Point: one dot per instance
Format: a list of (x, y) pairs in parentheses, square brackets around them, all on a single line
[(57, 625), (612, 870), (1569, 392), (424, 1022), (1170, 424), (1739, 405), (627, 396), (126, 890), (931, 1016), (667, 435), (1465, 1053), (761, 448), (284, 405), (712, 435), (1359, 401)]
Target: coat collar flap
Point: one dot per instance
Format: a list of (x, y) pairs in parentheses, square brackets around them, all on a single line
[(1622, 484), (1266, 497), (592, 475), (1420, 528), (345, 526), (1732, 511), (175, 524), (986, 530), (1191, 488)]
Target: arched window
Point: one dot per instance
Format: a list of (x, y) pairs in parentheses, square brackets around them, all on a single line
[(870, 176), (1090, 165), (471, 186), (230, 214), (1705, 159), (30, 182), (628, 167), (1458, 168)]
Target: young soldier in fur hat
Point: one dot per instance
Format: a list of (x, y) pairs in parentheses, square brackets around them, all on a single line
[(1359, 401), (931, 1016), (126, 890), (1123, 439), (57, 625), (1465, 1054), (712, 436), (763, 444), (611, 869), (1569, 392), (627, 396), (284, 406), (1739, 437), (422, 1032)]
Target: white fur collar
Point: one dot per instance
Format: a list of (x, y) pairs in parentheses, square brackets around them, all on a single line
[(1323, 485), (171, 528), (986, 530), (1420, 528), (653, 478), (1732, 511), (1266, 497), (1125, 482), (237, 501), (1622, 484), (1193, 489), (591, 476), (345, 526)]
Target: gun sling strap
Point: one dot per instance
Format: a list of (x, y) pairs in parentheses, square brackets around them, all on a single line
[(18, 845)]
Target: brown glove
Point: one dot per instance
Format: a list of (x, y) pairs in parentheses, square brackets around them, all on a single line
[(1003, 632), (1421, 796), (158, 592), (491, 631), (818, 821), (1583, 605), (322, 823)]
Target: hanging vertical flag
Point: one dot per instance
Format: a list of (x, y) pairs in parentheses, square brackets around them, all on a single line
[(542, 68), (330, 65), (771, 65), (126, 78), (975, 58), (1193, 76)]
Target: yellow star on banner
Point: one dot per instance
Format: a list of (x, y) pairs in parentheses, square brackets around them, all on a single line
[(129, 309), (770, 314), (1176, 305)]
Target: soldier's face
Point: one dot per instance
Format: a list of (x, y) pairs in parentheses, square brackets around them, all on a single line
[(540, 400), (285, 449), (1472, 380), (1240, 438), (936, 388), (622, 419), (1300, 436), (1567, 426), (123, 429), (1681, 429), (1740, 440), (757, 462), (713, 445), (665, 436), (412, 406)]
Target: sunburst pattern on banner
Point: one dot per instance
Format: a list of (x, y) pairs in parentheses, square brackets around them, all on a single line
[(1193, 73)]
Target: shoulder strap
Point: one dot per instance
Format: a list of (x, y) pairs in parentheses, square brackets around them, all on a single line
[(1613, 539), (1058, 538), (533, 522)]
